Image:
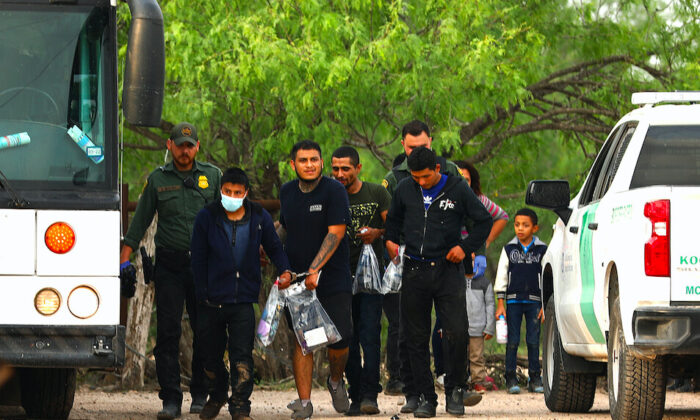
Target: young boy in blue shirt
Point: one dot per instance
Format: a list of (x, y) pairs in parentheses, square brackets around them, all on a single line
[(519, 284)]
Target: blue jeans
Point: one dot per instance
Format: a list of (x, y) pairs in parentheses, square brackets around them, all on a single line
[(363, 378), (514, 316)]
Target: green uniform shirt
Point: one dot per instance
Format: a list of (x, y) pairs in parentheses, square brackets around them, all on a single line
[(390, 180), (176, 204)]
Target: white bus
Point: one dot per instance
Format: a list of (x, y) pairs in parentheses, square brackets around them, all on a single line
[(59, 186)]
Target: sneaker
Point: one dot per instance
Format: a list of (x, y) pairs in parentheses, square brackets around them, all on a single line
[(394, 387), (469, 398), (341, 403), (512, 386), (453, 402), (535, 385), (299, 412), (211, 409), (197, 404), (425, 409), (440, 381), (412, 403), (170, 411), (479, 387), (354, 409), (369, 406)]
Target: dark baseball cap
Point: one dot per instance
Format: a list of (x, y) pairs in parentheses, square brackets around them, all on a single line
[(184, 132)]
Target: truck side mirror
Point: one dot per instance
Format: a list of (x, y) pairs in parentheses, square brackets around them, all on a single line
[(550, 195), (144, 75)]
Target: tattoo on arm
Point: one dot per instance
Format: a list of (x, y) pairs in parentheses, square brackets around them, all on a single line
[(328, 247)]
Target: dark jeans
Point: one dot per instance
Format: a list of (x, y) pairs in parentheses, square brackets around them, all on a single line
[(363, 378), (514, 316), (174, 290), (424, 283), (232, 326), (391, 304)]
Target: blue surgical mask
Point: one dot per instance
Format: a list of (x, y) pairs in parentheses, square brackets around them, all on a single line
[(230, 203)]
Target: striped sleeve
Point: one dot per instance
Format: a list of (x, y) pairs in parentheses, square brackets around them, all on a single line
[(494, 210)]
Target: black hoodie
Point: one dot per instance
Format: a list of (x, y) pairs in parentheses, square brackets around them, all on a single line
[(431, 233)]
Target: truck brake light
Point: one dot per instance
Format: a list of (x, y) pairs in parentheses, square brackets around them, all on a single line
[(59, 238), (657, 252)]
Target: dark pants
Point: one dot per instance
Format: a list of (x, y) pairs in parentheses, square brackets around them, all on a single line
[(391, 304), (232, 326), (514, 317), (363, 378), (424, 283), (174, 290)]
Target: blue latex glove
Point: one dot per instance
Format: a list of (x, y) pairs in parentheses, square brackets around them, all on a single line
[(479, 266)]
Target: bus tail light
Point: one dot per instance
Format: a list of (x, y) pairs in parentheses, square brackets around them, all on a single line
[(83, 302), (59, 238), (47, 301), (657, 250)]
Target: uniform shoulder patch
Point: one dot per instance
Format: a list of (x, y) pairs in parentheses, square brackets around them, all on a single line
[(385, 183)]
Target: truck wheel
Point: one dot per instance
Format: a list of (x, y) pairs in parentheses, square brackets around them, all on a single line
[(563, 392), (636, 387), (48, 393)]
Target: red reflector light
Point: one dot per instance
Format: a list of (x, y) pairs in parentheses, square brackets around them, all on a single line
[(657, 250), (59, 238)]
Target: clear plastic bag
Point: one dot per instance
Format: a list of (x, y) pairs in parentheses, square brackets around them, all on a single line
[(312, 325), (367, 278), (270, 319), (391, 282)]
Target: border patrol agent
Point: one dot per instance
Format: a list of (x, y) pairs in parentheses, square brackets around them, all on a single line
[(177, 191)]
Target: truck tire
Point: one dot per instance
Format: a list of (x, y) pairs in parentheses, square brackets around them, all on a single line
[(636, 387), (563, 392), (48, 393)]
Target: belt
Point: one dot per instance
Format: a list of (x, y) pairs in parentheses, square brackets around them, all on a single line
[(172, 253), (421, 262)]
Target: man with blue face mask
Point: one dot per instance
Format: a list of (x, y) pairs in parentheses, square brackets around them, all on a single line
[(226, 239)]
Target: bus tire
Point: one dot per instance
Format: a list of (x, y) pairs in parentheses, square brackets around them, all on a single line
[(563, 392), (636, 387), (48, 393)]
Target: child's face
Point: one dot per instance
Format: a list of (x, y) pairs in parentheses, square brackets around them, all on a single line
[(524, 229)]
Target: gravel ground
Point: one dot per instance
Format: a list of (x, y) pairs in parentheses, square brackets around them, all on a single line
[(272, 405)]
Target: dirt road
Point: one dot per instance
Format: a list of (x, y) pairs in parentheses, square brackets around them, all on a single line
[(272, 405)]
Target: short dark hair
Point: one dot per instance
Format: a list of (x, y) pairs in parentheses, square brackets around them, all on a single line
[(529, 213), (475, 181), (304, 145), (414, 128), (398, 159), (422, 158), (347, 152), (235, 176)]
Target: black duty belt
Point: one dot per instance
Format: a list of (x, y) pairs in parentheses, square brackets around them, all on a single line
[(172, 253)]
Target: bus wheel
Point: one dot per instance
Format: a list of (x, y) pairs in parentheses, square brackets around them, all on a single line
[(48, 393)]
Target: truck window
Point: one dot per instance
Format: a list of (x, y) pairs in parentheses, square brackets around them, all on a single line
[(613, 162), (670, 155), (592, 181)]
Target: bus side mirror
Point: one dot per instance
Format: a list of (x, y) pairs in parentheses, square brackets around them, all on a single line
[(550, 195), (144, 76)]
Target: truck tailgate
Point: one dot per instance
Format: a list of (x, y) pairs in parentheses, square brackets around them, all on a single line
[(685, 252)]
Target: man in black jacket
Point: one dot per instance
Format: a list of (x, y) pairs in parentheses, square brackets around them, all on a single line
[(429, 210)]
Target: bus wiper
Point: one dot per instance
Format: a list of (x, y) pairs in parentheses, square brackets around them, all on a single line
[(17, 202)]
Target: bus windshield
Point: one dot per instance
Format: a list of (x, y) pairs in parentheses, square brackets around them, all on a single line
[(55, 83)]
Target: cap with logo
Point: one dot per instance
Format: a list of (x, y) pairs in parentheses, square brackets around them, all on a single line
[(184, 132)]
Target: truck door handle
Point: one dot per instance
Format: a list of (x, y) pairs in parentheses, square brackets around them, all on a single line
[(573, 229), (593, 226)]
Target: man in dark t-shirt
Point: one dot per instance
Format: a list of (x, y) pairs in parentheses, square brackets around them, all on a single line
[(313, 216), (369, 204)]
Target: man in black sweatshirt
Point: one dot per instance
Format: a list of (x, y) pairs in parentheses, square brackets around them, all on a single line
[(429, 210)]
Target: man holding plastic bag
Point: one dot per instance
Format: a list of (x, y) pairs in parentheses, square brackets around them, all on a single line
[(369, 204), (313, 216), (226, 239), (429, 210)]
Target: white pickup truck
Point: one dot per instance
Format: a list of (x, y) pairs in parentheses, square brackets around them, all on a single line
[(621, 277)]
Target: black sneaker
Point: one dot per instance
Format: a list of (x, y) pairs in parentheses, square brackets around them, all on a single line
[(170, 411), (394, 387), (354, 409), (512, 386), (425, 409), (535, 385), (470, 398), (412, 403), (369, 406), (211, 409), (453, 402), (197, 404)]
